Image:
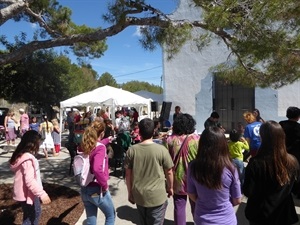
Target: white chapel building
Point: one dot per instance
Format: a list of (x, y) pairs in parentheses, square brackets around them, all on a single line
[(189, 84)]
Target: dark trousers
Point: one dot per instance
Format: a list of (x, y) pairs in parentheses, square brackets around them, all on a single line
[(31, 213), (152, 215)]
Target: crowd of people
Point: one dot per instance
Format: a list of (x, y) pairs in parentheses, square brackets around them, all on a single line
[(48, 130), (205, 170)]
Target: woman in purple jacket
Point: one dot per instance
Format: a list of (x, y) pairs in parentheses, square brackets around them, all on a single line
[(96, 194)]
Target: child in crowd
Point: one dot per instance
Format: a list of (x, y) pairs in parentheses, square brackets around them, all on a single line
[(45, 129), (236, 146), (34, 125), (96, 194), (56, 135), (240, 128), (212, 180), (28, 189), (135, 133)]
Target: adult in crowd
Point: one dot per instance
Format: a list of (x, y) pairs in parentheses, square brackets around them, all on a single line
[(96, 194), (213, 181), (135, 134), (71, 125), (256, 114), (101, 115), (109, 128), (85, 120), (46, 129), (28, 188), (135, 116), (251, 132), (10, 127), (76, 120), (177, 112), (122, 122), (269, 179), (213, 121), (291, 129), (183, 147), (157, 130), (56, 136), (24, 122), (148, 165), (109, 132)]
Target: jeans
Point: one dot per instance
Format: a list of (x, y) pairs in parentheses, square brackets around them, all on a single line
[(180, 209), (31, 213), (152, 215), (92, 201), (241, 169)]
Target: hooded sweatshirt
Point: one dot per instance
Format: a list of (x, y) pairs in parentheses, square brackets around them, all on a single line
[(27, 181), (99, 165)]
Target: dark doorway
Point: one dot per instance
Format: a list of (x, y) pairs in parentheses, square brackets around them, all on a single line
[(231, 101)]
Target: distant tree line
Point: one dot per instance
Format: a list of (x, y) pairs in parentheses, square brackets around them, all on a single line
[(47, 78)]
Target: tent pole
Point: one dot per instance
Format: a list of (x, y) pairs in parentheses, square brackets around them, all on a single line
[(60, 120), (149, 109), (113, 117)]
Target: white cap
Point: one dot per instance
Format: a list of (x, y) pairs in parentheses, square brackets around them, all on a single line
[(21, 110)]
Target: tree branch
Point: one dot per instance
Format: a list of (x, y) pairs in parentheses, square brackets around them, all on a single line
[(10, 11), (98, 35), (257, 74), (42, 22), (7, 1)]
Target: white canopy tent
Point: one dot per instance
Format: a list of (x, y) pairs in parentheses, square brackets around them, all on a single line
[(106, 96)]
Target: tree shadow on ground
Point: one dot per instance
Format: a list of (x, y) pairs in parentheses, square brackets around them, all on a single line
[(128, 213), (59, 220)]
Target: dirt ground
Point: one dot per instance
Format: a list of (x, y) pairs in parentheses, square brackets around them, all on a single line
[(65, 209)]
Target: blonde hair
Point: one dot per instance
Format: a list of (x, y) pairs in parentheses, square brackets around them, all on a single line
[(249, 117), (91, 135), (10, 112)]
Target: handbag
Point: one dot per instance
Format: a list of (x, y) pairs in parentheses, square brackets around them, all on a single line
[(177, 157)]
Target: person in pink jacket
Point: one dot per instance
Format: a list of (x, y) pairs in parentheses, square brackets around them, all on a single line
[(96, 194), (28, 189)]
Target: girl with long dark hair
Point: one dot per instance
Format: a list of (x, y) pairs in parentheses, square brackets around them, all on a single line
[(256, 114), (269, 179), (28, 189), (213, 181)]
